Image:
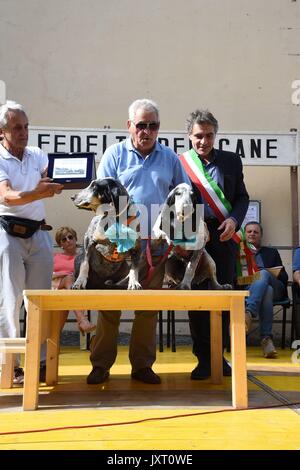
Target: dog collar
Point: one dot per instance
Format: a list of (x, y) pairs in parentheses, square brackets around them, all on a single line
[(184, 241), (124, 237)]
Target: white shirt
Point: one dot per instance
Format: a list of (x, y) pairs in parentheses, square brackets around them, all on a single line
[(23, 175)]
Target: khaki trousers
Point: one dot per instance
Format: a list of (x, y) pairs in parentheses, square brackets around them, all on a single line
[(142, 347)]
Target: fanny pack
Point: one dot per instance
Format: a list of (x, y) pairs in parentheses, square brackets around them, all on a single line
[(22, 228)]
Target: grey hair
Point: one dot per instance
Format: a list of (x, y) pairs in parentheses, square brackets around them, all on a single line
[(201, 116), (5, 108), (147, 105)]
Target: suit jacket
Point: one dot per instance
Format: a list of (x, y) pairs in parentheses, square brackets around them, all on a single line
[(230, 166)]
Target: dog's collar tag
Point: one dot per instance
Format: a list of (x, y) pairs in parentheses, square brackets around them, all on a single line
[(124, 237)]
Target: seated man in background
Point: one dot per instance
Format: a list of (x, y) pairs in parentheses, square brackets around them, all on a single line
[(271, 286), (296, 279)]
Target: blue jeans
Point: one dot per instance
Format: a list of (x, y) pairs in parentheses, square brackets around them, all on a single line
[(260, 301)]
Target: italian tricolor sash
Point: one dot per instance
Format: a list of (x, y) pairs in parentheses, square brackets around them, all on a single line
[(216, 199)]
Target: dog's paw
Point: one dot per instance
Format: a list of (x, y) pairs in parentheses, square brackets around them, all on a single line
[(134, 286), (80, 283), (183, 286), (226, 287)]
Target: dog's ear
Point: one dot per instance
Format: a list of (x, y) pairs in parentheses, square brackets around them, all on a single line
[(114, 193), (117, 189), (170, 201)]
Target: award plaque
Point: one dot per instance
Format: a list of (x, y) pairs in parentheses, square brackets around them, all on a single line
[(73, 170)]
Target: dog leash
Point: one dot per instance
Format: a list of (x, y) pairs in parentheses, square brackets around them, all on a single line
[(151, 268)]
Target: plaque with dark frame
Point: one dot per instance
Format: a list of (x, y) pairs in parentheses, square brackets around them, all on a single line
[(73, 170)]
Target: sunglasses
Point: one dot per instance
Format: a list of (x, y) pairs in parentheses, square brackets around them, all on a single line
[(68, 237), (152, 126)]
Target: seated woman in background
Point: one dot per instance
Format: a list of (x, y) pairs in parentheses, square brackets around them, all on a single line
[(63, 275)]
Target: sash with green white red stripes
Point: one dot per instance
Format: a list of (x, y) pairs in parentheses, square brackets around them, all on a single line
[(220, 206)]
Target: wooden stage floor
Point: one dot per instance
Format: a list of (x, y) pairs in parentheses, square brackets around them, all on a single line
[(179, 414)]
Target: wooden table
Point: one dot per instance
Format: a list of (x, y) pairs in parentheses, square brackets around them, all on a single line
[(43, 323)]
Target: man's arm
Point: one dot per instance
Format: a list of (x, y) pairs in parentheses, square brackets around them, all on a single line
[(11, 197), (296, 266), (107, 165), (296, 277), (240, 201)]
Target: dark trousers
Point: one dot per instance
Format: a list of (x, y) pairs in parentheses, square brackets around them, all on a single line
[(224, 254), (296, 299)]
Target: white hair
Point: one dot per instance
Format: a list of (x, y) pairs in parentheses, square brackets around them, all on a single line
[(5, 108), (147, 105)]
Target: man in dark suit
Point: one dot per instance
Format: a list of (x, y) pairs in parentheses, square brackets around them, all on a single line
[(214, 174)]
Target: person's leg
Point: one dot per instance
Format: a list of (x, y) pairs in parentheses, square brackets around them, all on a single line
[(266, 313), (38, 261), (257, 292), (266, 322), (84, 325), (224, 255), (142, 348), (105, 344), (12, 282), (199, 322)]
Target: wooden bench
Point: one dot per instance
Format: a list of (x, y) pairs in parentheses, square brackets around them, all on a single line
[(8, 348), (43, 324)]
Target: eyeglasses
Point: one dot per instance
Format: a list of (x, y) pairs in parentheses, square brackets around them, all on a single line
[(142, 126), (68, 237)]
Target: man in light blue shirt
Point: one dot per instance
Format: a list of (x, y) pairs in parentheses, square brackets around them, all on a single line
[(149, 171)]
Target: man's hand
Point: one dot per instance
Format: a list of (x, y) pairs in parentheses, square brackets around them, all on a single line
[(228, 226), (46, 188)]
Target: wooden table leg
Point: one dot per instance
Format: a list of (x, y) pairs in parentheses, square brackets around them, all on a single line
[(216, 349), (32, 358), (238, 353), (7, 371), (53, 348)]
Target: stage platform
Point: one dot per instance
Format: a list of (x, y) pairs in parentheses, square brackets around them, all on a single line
[(178, 414)]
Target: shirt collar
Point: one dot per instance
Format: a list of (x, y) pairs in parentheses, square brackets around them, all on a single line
[(212, 160), (6, 154)]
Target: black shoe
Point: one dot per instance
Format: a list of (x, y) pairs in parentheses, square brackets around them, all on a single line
[(98, 375), (146, 375), (226, 368), (203, 371)]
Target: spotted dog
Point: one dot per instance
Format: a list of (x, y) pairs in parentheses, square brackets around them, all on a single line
[(107, 258), (188, 261)]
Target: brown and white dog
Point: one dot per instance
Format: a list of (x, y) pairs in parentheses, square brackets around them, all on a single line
[(100, 264), (183, 228)]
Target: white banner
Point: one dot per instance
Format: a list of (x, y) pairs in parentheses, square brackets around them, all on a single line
[(254, 149)]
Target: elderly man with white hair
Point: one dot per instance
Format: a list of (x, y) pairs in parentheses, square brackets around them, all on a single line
[(148, 170), (26, 260)]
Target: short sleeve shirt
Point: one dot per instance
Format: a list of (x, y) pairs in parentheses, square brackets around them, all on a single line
[(23, 175)]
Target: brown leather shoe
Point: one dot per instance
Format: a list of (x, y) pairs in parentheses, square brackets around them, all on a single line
[(146, 375), (268, 348)]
